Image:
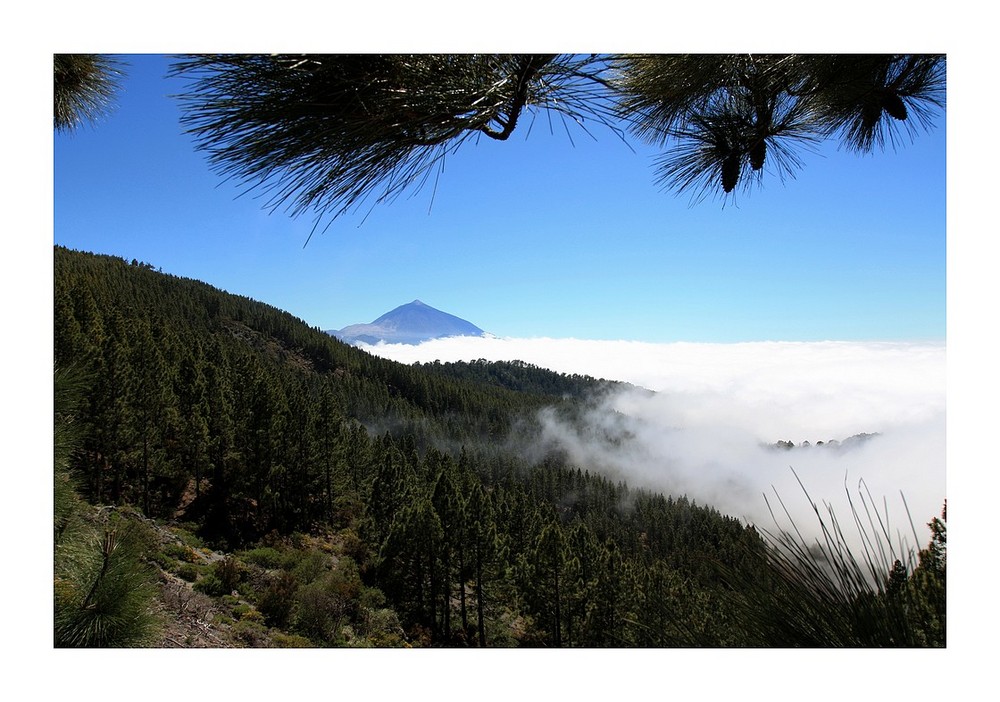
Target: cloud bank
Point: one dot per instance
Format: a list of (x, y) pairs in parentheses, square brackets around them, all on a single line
[(703, 432)]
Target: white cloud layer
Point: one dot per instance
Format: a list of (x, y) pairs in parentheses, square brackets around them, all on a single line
[(701, 434)]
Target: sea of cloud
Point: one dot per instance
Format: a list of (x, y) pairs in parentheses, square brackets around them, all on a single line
[(705, 431)]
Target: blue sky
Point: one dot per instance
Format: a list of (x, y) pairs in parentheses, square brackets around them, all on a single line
[(537, 236)]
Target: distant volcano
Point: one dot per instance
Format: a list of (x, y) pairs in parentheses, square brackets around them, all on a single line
[(408, 324)]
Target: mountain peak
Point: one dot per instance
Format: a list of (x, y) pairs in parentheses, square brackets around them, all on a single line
[(411, 323)]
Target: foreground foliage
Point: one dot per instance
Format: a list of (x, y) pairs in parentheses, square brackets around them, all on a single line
[(103, 588), (327, 133), (876, 592), (84, 86)]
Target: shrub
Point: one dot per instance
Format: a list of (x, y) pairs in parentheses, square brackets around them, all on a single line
[(229, 572), (165, 562), (266, 557), (275, 602), (319, 613), (185, 532), (251, 633), (280, 639), (187, 571), (179, 552), (381, 629), (356, 548), (310, 565), (211, 586), (248, 613)]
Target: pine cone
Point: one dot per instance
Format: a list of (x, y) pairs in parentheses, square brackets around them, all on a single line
[(757, 154), (894, 105), (731, 171)]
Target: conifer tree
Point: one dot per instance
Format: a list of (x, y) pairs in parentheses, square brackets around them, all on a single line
[(547, 569), (102, 588), (84, 88)]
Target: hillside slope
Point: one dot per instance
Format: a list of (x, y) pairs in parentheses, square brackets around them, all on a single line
[(327, 497)]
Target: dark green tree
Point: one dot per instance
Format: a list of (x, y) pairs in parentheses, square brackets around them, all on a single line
[(486, 549), (152, 410), (328, 427), (109, 444), (193, 416), (546, 572), (102, 588), (409, 562), (926, 588), (450, 508)]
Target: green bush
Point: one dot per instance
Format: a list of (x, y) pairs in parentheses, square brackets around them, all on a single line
[(165, 562), (282, 640), (355, 547), (275, 602), (211, 586), (251, 633), (228, 571), (310, 565), (185, 532), (381, 629), (248, 613), (187, 571), (266, 557), (179, 552), (332, 600)]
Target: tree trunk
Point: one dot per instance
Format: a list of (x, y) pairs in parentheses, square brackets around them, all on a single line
[(479, 600), (461, 592)]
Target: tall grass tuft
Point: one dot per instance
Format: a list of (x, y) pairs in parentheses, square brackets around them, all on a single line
[(825, 592)]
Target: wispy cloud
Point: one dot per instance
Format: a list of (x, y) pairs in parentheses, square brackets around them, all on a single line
[(702, 433)]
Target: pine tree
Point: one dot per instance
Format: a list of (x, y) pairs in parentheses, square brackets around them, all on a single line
[(102, 588), (84, 88), (324, 133)]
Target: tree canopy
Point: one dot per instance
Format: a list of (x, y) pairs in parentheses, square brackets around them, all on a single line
[(326, 133)]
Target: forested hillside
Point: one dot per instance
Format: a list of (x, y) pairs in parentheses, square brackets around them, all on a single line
[(360, 501)]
